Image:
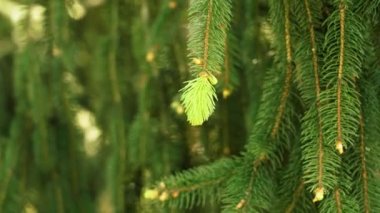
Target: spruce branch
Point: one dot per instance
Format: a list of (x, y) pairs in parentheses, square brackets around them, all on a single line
[(275, 118), (193, 187), (339, 108), (341, 199), (251, 188), (296, 196), (208, 25), (344, 43), (342, 13), (287, 84), (293, 195), (313, 46), (330, 122), (244, 202), (319, 160), (307, 58)]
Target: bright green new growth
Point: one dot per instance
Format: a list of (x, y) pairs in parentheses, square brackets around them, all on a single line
[(208, 25), (198, 98)]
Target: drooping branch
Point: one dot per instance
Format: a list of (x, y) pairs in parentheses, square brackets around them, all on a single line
[(208, 26), (339, 139), (288, 77)]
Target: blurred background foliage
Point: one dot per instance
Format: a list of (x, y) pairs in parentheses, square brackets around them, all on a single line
[(90, 113)]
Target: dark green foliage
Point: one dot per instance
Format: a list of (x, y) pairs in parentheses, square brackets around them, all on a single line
[(250, 188), (92, 114), (292, 196), (193, 187)]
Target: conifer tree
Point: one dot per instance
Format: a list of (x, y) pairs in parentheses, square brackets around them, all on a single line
[(189, 106)]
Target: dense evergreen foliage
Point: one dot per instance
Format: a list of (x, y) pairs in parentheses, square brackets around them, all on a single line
[(190, 106)]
